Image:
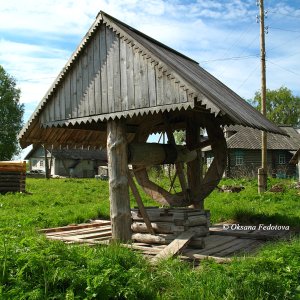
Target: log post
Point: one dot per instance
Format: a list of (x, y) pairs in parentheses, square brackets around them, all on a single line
[(118, 181)]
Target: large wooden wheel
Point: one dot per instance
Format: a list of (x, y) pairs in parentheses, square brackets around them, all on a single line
[(194, 187)]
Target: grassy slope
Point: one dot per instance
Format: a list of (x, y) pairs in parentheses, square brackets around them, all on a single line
[(34, 268)]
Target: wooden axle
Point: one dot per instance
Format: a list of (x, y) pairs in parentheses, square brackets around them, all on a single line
[(149, 154)]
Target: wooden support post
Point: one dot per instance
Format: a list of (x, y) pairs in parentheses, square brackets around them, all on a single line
[(47, 172), (139, 202), (118, 181), (179, 165), (194, 170)]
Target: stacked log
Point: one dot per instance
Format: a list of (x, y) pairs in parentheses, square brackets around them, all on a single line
[(12, 176), (168, 223)]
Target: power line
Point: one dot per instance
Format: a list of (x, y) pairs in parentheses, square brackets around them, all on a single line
[(230, 58), (283, 29), (249, 76), (283, 68), (283, 14)]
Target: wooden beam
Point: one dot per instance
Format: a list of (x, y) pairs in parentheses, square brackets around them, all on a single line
[(175, 246), (178, 165), (139, 202), (118, 180), (194, 167)]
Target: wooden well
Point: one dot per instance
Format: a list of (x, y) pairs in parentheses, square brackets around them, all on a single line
[(119, 87), (169, 223)]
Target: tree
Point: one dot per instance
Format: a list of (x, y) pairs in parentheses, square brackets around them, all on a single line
[(283, 108), (11, 114)]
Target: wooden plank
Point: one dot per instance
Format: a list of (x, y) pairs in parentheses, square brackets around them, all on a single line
[(144, 102), (62, 100), (79, 70), (123, 73), (129, 75), (79, 241), (151, 84), (238, 247), (182, 95), (220, 260), (84, 230), (142, 248), (85, 83), (215, 241), (109, 69), (67, 87), (56, 106), (167, 99), (137, 79), (212, 251), (73, 92), (74, 227), (159, 86), (103, 68), (243, 234), (116, 73), (93, 235), (91, 78), (97, 71), (51, 108), (174, 247)]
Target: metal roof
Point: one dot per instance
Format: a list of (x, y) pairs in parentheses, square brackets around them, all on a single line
[(216, 97)]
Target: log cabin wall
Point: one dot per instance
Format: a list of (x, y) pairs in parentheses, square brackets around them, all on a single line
[(252, 161), (112, 75)]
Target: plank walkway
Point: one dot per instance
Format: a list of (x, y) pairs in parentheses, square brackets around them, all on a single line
[(220, 245)]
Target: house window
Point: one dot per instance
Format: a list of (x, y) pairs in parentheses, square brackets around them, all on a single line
[(239, 158), (34, 163), (41, 163), (281, 159)]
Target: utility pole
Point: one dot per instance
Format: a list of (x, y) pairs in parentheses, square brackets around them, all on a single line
[(263, 171)]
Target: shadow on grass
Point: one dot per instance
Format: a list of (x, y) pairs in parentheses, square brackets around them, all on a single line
[(247, 217)]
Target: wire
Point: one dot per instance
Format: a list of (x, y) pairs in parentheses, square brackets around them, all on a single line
[(248, 77), (284, 29), (287, 15), (283, 68), (230, 58)]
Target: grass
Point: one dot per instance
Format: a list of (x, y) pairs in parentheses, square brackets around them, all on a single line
[(32, 267)]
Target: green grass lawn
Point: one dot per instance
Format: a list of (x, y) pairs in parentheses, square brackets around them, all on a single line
[(32, 267)]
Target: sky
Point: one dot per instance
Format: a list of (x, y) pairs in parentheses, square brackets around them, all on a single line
[(37, 37)]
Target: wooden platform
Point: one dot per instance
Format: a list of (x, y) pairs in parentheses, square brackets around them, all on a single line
[(220, 245)]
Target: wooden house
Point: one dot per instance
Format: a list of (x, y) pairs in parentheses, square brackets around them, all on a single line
[(295, 160), (244, 152), (120, 86), (79, 163)]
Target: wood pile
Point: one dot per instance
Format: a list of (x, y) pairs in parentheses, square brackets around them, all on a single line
[(169, 223), (277, 188), (230, 189), (12, 176)]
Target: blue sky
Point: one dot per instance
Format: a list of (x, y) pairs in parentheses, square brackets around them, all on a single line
[(37, 38)]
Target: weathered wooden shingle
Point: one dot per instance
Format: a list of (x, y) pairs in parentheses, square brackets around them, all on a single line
[(117, 71), (248, 138)]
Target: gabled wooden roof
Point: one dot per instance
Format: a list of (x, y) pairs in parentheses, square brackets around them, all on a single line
[(117, 71), (249, 138)]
